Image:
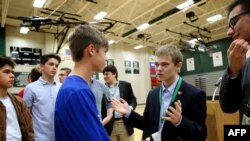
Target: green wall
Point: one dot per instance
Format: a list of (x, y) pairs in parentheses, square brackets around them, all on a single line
[(2, 41), (203, 62)]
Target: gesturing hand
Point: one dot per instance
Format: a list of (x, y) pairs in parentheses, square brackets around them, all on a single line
[(174, 114), (120, 106)]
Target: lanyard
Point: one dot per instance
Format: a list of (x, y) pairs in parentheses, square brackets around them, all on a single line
[(173, 96)]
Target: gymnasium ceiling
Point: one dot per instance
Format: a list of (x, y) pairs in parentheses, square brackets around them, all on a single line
[(125, 15)]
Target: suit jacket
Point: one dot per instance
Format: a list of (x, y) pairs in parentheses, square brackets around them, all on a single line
[(234, 93), (192, 126), (126, 92)]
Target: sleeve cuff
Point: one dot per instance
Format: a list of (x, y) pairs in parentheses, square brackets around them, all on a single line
[(177, 124), (129, 112)]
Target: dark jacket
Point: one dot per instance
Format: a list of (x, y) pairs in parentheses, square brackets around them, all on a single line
[(192, 126), (126, 92), (24, 119), (235, 93)]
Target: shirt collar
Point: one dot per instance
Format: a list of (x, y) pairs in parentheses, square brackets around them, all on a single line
[(44, 82), (171, 88), (112, 86)]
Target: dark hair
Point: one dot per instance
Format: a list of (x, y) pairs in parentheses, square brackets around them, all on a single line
[(82, 37), (46, 57), (244, 3), (35, 74), (6, 61), (111, 69), (68, 70)]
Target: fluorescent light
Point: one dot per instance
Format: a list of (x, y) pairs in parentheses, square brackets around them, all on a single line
[(193, 41), (111, 42), (100, 15), (24, 30), (39, 3), (201, 49), (138, 47), (185, 4), (142, 26), (214, 18)]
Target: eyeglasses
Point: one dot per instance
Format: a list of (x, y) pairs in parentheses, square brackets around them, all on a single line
[(235, 19)]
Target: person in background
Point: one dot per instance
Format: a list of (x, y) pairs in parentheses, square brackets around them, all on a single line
[(76, 115), (15, 117), (40, 97), (235, 85), (32, 77), (175, 110), (120, 131), (103, 100), (63, 73)]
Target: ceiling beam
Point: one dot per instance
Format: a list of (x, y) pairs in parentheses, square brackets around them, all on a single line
[(57, 8), (155, 23), (119, 8), (143, 14), (83, 8), (5, 7), (189, 31)]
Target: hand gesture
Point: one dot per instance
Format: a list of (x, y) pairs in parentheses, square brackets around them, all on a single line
[(236, 55), (174, 114), (120, 106)]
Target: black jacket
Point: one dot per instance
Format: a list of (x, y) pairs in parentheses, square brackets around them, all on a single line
[(126, 92)]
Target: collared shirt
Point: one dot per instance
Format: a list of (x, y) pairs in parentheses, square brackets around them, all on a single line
[(114, 90), (167, 94), (99, 89), (40, 97), (115, 93)]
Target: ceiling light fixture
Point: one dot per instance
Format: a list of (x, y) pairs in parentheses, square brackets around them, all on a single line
[(191, 16), (193, 41), (214, 18), (138, 47), (100, 15), (185, 4), (142, 26), (111, 42), (24, 30), (39, 3)]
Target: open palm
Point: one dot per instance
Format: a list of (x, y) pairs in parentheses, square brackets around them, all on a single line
[(120, 106)]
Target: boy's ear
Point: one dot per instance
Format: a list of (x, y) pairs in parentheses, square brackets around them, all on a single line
[(40, 67), (179, 65), (91, 49)]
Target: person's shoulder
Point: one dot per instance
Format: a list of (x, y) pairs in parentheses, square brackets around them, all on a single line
[(191, 88), (32, 84), (124, 82), (155, 90), (97, 81), (16, 98), (100, 84), (58, 83)]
